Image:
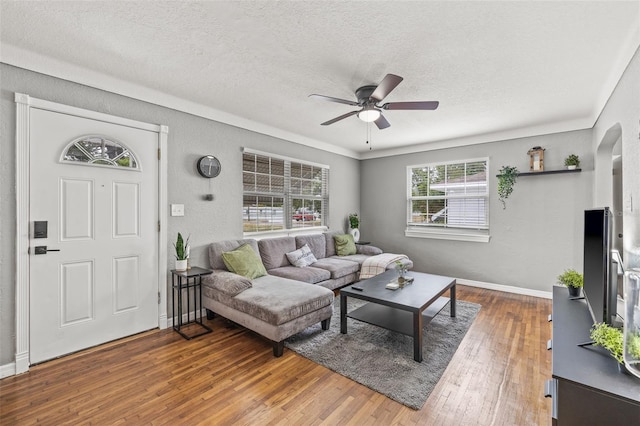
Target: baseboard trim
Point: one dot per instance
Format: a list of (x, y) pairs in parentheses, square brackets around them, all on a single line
[(507, 288), (7, 370)]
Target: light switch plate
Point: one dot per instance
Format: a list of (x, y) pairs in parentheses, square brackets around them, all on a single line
[(177, 209)]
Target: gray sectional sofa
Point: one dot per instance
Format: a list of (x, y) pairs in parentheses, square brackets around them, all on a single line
[(287, 299)]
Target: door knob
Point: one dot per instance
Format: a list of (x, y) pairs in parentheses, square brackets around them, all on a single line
[(44, 250)]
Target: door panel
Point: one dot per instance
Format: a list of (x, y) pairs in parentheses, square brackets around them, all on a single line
[(126, 212), (76, 214), (103, 283), (76, 290)]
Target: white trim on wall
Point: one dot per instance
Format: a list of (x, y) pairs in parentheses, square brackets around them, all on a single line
[(23, 105), (506, 288)]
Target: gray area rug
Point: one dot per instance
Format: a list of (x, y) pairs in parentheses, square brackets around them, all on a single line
[(383, 360)]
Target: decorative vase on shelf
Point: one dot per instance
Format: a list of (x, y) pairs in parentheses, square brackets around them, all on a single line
[(181, 265), (356, 234), (571, 167)]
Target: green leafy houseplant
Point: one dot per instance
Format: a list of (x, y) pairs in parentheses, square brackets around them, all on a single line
[(609, 338), (572, 160), (354, 221), (507, 176), (181, 247), (633, 345), (571, 278)]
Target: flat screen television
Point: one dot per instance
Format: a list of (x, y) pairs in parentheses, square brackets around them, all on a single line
[(600, 277)]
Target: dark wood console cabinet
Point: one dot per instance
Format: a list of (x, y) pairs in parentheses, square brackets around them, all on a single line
[(587, 388)]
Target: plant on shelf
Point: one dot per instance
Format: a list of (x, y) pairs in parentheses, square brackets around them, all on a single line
[(572, 161), (573, 280), (609, 338), (354, 221), (506, 179)]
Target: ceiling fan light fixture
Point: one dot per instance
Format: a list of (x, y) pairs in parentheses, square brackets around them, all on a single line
[(369, 114)]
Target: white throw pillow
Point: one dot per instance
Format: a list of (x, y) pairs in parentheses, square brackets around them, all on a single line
[(302, 257)]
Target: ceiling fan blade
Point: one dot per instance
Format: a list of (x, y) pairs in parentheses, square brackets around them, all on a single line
[(427, 105), (330, 99), (382, 122), (342, 117), (388, 83)]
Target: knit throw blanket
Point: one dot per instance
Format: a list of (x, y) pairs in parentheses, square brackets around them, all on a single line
[(377, 264)]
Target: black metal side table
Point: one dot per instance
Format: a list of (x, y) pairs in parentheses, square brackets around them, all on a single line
[(191, 281)]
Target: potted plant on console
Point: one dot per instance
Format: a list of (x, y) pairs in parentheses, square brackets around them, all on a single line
[(181, 253), (611, 339), (573, 280), (572, 162)]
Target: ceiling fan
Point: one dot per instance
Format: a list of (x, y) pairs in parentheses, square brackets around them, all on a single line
[(368, 101)]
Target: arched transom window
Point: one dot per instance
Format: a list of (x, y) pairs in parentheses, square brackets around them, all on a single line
[(101, 151)]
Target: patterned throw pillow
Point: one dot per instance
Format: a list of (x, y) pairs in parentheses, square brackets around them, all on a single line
[(302, 257), (344, 244)]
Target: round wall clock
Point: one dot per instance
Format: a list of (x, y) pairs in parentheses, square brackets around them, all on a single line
[(208, 166)]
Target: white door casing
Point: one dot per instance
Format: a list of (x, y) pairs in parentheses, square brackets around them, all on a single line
[(105, 281)]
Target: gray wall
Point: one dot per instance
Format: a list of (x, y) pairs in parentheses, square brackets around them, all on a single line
[(533, 240), (623, 108), (189, 138)]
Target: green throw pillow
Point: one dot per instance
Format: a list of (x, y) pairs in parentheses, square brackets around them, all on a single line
[(344, 244), (244, 261)]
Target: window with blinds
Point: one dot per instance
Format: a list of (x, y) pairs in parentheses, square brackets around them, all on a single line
[(281, 193), (449, 195)]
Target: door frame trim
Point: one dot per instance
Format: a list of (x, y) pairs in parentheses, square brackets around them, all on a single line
[(24, 104)]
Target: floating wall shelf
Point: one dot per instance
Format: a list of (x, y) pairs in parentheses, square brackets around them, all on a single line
[(548, 172)]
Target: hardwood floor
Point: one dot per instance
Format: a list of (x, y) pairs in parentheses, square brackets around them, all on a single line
[(496, 377)]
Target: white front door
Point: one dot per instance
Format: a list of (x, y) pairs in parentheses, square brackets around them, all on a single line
[(102, 216)]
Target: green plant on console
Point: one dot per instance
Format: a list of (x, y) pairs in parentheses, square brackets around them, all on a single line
[(506, 179), (180, 245), (633, 345), (572, 160), (609, 338), (571, 278), (354, 221)]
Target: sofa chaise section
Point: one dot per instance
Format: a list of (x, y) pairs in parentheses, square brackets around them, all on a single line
[(272, 306)]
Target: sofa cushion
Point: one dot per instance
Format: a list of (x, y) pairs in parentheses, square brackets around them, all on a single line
[(302, 257), (274, 251), (368, 250), (277, 301), (216, 249), (316, 242), (337, 267), (310, 274), (244, 261), (345, 245), (226, 282), (330, 244)]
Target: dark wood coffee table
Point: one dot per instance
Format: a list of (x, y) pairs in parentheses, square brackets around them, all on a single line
[(404, 310)]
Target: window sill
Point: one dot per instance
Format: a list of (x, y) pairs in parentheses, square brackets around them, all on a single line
[(472, 235), (286, 232)]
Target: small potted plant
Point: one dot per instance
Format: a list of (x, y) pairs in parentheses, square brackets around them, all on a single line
[(354, 224), (507, 176), (401, 269), (182, 254), (573, 280), (611, 339), (572, 162)]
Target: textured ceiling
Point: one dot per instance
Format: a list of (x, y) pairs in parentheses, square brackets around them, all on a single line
[(499, 69)]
